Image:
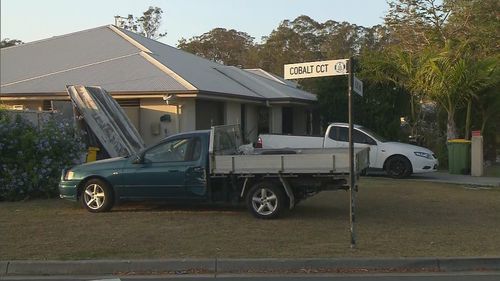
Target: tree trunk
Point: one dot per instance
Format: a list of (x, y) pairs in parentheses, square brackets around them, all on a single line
[(468, 120), (451, 127)]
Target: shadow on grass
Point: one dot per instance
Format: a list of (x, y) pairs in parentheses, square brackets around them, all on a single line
[(304, 210), (155, 206)]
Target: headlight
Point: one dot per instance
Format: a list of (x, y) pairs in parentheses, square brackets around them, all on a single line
[(69, 175), (423, 154)]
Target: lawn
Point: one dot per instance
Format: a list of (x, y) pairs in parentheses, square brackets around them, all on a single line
[(394, 219), (492, 171)]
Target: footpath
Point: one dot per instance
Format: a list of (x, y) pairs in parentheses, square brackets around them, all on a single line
[(469, 180), (249, 266)]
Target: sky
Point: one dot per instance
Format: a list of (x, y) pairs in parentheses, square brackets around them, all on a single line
[(30, 20)]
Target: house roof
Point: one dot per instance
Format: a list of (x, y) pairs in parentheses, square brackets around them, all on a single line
[(122, 61)]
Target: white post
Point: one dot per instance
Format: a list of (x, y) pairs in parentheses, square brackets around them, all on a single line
[(477, 156)]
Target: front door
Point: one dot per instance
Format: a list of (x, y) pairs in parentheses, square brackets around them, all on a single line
[(161, 173), (361, 139)]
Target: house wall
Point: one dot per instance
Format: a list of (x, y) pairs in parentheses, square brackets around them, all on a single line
[(134, 113), (275, 119), (188, 115), (151, 128), (233, 113), (28, 104)]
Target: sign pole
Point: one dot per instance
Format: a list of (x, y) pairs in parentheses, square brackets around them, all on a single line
[(351, 155), (333, 68)]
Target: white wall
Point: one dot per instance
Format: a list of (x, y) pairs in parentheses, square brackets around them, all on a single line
[(276, 119), (134, 114), (28, 104), (150, 127), (188, 115)]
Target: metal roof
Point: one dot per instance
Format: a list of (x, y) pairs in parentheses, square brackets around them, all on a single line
[(61, 53), (120, 60), (130, 73)]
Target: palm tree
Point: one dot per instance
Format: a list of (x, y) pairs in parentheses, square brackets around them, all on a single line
[(452, 77), (400, 68)]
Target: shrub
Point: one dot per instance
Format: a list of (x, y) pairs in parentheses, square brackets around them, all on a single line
[(31, 158)]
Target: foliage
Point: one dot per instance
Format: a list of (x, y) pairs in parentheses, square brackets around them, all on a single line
[(416, 24), (476, 23), (229, 47), (9, 42), (452, 77), (32, 159), (399, 69), (303, 39), (147, 25)]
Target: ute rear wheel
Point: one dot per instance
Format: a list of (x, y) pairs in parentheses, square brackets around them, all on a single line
[(266, 201), (97, 196), (398, 167)]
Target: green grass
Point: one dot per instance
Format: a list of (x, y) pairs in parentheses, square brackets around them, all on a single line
[(492, 171), (394, 218)]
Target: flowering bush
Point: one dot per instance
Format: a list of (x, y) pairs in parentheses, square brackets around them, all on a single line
[(31, 158)]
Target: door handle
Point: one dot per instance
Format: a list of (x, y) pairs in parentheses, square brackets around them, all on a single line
[(198, 169)]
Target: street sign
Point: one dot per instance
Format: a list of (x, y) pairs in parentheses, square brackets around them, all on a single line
[(316, 69), (333, 68), (358, 86)]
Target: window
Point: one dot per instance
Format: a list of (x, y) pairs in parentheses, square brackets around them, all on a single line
[(263, 120), (196, 149), (360, 137), (342, 134), (47, 105), (287, 120), (171, 151), (339, 134)]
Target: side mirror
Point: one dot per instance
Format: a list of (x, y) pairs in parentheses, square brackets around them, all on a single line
[(138, 159)]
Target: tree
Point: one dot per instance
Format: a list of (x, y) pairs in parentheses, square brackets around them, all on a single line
[(147, 25), (304, 39), (229, 47), (475, 22), (417, 24), (398, 68), (445, 29), (9, 42), (452, 77)]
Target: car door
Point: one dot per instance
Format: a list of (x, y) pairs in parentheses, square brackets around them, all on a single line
[(160, 172), (339, 137), (361, 139)]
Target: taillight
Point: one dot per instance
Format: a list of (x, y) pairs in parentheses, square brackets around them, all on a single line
[(259, 143)]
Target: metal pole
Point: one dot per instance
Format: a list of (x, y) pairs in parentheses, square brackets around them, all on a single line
[(351, 157)]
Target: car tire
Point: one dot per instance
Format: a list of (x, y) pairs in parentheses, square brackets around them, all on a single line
[(398, 167), (266, 201), (97, 196)]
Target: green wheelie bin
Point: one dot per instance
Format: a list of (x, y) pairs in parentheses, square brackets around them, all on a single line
[(459, 156)]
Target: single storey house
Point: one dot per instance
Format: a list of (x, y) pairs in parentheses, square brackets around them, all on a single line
[(162, 89)]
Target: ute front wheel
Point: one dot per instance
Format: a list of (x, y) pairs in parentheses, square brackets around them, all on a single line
[(398, 167), (97, 196)]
